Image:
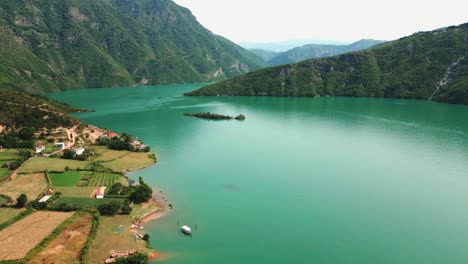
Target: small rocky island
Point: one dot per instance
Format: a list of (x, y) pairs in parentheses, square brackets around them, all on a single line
[(208, 115)]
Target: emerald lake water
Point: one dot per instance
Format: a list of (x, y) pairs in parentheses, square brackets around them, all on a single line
[(301, 180)]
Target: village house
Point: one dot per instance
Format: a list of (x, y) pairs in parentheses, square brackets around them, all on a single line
[(112, 134), (79, 151), (39, 150), (100, 192), (7, 165)]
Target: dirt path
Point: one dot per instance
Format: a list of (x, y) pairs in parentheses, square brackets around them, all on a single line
[(71, 135)]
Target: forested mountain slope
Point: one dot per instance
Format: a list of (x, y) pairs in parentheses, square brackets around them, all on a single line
[(62, 44), (426, 65)]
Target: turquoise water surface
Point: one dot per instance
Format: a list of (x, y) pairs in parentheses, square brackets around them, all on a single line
[(301, 180)]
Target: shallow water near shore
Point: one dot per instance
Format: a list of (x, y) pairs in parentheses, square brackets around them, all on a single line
[(301, 180)]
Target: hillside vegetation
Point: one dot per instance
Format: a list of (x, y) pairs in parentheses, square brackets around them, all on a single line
[(62, 44), (427, 65), (313, 51), (18, 110)]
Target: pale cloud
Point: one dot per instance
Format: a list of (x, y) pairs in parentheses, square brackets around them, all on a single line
[(269, 20)]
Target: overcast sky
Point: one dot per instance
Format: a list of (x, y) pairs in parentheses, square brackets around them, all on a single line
[(343, 20)]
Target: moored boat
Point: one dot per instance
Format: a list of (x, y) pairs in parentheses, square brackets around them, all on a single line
[(186, 230)]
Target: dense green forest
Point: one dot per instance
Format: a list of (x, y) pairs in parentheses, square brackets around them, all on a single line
[(62, 44), (426, 65)]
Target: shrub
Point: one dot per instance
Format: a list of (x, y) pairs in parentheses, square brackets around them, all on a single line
[(138, 258), (21, 201), (38, 206), (68, 154), (5, 200), (110, 209), (141, 194), (126, 208)]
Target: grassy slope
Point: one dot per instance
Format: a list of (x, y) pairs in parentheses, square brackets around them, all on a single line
[(410, 67)]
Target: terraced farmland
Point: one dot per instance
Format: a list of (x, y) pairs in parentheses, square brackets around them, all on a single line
[(103, 179)]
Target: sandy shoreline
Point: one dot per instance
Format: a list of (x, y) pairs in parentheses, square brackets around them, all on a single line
[(162, 209)]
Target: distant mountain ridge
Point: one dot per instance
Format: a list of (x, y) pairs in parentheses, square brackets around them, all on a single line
[(312, 51), (427, 65), (283, 46), (63, 44)]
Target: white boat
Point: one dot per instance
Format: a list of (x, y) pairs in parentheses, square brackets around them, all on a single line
[(186, 230)]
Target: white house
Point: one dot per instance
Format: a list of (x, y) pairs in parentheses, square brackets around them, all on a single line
[(40, 149), (60, 145), (45, 198), (79, 151)]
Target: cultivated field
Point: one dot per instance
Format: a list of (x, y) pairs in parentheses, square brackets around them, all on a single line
[(51, 164), (72, 191), (7, 213), (69, 178), (30, 184), (18, 239), (66, 248), (104, 179)]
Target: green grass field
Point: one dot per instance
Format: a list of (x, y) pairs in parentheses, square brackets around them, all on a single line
[(4, 172), (51, 164), (83, 203), (121, 160), (73, 191), (69, 178), (7, 155), (50, 148), (104, 179)]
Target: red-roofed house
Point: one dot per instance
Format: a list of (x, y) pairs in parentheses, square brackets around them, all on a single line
[(112, 134), (100, 192)]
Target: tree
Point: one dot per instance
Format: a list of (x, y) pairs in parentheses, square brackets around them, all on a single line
[(109, 209), (141, 194), (27, 133), (126, 208), (21, 201), (116, 188), (146, 237), (68, 154)]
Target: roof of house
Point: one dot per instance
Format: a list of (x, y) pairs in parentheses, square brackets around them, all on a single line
[(100, 191), (45, 198), (112, 134)]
